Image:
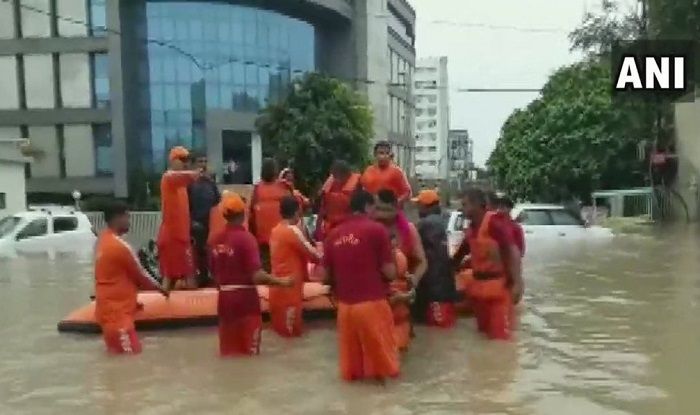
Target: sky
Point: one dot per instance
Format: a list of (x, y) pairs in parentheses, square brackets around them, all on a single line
[(481, 57)]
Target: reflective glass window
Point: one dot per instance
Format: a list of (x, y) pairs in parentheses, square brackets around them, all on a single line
[(218, 56)]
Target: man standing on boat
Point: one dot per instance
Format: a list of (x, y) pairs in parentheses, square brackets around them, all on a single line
[(359, 263), (384, 174), (174, 244), (118, 278), (203, 195), (264, 209), (335, 197), (290, 254)]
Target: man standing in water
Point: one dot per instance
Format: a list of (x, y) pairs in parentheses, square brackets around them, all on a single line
[(436, 292), (236, 267), (174, 244), (118, 278), (384, 174), (290, 254), (496, 265), (203, 195), (359, 264), (264, 210)]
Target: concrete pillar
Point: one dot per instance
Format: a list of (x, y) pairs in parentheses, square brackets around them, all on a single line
[(116, 86)]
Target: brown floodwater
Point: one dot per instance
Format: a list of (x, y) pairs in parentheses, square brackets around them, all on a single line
[(606, 328)]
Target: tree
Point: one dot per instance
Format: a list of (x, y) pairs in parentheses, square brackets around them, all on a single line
[(321, 119), (572, 140), (598, 32)]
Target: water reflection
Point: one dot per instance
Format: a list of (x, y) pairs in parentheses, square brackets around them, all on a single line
[(605, 329)]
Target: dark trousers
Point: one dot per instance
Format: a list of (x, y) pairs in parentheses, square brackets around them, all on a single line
[(200, 233)]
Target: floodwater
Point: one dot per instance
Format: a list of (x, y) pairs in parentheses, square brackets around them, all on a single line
[(606, 328)]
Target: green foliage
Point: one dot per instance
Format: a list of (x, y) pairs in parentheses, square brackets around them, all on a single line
[(675, 19), (572, 140), (598, 32), (320, 120)]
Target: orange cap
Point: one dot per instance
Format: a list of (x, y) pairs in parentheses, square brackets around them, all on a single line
[(178, 153), (426, 197), (231, 203)]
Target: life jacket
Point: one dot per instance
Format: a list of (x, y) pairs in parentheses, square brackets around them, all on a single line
[(336, 203), (265, 209), (488, 267)]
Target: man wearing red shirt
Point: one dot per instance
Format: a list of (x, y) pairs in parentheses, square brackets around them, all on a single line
[(359, 264), (496, 264), (237, 269)]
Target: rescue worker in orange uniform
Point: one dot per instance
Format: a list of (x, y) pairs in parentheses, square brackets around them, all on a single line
[(335, 197), (496, 265), (235, 265), (118, 278), (387, 212), (175, 257), (359, 264), (290, 253), (384, 174), (264, 207)]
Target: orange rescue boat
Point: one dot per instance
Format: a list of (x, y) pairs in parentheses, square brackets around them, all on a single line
[(190, 308)]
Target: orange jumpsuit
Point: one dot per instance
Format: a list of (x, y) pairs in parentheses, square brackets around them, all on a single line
[(401, 311), (290, 254), (264, 214), (174, 244), (118, 277), (391, 177), (493, 305)]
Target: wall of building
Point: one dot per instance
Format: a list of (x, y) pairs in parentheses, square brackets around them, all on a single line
[(459, 153), (432, 118), (688, 147), (49, 81), (12, 190)]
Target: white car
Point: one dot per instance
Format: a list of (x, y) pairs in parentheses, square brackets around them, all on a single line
[(539, 221), (555, 222), (46, 229)]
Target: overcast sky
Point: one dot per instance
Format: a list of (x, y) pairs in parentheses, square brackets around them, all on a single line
[(481, 57)]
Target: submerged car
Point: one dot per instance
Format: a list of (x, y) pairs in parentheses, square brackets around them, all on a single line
[(46, 229), (539, 221)]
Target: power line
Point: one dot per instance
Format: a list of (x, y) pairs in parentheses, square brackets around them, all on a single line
[(209, 66), (456, 23)]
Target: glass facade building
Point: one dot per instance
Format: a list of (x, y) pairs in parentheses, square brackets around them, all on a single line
[(212, 55)]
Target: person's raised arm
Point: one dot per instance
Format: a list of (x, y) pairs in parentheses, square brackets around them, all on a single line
[(181, 178), (261, 277)]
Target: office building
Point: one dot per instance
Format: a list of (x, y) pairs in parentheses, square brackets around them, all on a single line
[(103, 88), (459, 154), (432, 118)]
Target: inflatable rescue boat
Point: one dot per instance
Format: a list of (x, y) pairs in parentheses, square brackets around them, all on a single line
[(190, 308)]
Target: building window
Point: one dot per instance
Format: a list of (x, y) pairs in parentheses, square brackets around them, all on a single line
[(75, 80), (98, 17), (432, 99), (71, 18), (7, 20), (432, 149), (9, 88), (102, 135), (39, 81), (3, 201), (100, 80), (432, 112), (36, 18)]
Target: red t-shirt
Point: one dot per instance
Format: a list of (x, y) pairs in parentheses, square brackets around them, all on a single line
[(354, 253), (516, 231), (235, 258)]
